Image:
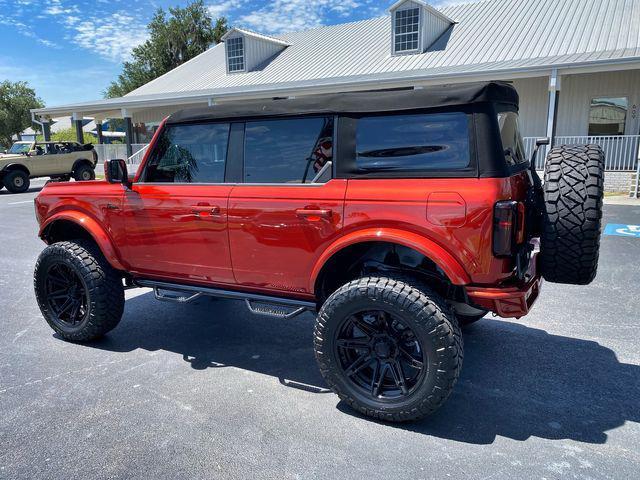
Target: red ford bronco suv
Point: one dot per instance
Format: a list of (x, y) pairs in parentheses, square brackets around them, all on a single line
[(399, 216)]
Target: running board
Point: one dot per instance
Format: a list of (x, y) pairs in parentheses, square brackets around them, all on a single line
[(257, 304)]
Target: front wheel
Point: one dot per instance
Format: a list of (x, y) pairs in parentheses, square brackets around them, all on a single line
[(390, 349), (17, 181), (79, 294)]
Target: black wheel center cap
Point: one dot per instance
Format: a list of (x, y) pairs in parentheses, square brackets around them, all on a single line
[(384, 349)]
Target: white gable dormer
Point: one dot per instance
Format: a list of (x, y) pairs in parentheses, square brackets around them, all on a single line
[(246, 50), (415, 26)]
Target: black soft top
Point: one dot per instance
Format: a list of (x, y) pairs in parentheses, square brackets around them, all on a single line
[(357, 102)]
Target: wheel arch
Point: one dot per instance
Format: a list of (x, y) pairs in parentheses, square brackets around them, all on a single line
[(81, 161), (15, 166), (452, 271), (72, 225)]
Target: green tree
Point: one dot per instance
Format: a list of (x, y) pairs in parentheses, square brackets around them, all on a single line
[(69, 135), (173, 40), (16, 98)]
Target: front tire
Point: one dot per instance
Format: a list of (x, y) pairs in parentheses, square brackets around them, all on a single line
[(79, 294), (389, 349), (17, 181)]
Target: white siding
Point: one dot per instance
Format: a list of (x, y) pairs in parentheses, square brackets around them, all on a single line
[(534, 96), (257, 52), (432, 28), (578, 90)]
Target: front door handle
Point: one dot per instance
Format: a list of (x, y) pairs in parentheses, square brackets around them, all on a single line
[(310, 213), (200, 209)]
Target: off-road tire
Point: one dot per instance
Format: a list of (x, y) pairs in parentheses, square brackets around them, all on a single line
[(433, 323), (573, 192), (17, 181), (84, 173), (101, 281), (465, 320)]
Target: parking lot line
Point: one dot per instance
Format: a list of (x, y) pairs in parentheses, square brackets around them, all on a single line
[(17, 203)]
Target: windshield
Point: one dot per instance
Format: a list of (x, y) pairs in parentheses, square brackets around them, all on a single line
[(511, 138), (19, 148)]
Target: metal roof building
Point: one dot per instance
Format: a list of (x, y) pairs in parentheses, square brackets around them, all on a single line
[(543, 46)]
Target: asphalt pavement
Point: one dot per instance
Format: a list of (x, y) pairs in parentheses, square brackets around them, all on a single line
[(206, 390)]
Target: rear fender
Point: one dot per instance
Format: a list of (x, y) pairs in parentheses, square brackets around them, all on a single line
[(93, 228), (443, 259)]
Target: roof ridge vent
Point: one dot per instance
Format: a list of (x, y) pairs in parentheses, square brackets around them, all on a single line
[(415, 26)]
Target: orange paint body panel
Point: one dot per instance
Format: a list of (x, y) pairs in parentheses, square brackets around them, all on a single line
[(275, 239)]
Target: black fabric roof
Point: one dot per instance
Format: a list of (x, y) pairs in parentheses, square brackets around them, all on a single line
[(357, 102)]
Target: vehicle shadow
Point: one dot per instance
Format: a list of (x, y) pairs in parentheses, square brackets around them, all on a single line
[(5, 192), (516, 382)]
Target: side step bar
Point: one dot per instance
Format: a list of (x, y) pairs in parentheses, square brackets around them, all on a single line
[(256, 303)]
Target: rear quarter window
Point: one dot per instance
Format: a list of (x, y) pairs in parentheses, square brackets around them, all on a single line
[(413, 143)]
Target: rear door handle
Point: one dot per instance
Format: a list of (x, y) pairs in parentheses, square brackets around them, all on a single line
[(314, 212)]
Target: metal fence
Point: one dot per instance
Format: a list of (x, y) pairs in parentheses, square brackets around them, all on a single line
[(621, 151), (119, 150)]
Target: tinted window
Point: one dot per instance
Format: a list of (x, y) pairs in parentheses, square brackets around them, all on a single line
[(412, 143), (511, 138), (288, 151), (189, 154)]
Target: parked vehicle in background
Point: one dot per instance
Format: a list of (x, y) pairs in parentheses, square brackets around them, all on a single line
[(398, 216), (58, 160)]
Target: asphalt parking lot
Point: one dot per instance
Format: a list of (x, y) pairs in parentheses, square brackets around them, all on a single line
[(207, 390)]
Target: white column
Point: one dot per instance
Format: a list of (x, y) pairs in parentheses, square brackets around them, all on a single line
[(552, 111)]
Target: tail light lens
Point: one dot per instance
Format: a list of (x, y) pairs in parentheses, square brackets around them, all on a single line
[(508, 227)]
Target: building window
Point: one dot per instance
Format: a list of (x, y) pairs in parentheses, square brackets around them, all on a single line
[(235, 54), (608, 116), (406, 30)]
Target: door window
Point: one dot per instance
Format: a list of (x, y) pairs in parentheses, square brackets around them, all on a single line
[(189, 154), (288, 151), (412, 143)]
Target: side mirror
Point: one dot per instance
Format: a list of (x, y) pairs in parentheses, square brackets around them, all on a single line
[(115, 171), (542, 141)]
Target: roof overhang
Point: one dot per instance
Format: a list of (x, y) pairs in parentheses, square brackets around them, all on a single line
[(467, 73)]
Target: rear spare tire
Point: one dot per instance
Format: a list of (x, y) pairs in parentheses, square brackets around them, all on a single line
[(573, 191)]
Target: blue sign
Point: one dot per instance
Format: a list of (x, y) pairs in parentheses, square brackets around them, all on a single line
[(622, 230)]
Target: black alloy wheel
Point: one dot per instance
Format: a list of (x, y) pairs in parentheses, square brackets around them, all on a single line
[(66, 295), (390, 348), (380, 355)]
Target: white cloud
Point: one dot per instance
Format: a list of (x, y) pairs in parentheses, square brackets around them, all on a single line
[(290, 15), (110, 36), (223, 8)]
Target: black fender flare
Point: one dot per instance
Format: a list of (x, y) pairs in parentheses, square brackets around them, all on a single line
[(80, 162), (14, 166)]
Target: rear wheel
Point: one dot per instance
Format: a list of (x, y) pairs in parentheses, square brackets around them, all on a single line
[(80, 295), (84, 173), (17, 181), (573, 191), (391, 350)]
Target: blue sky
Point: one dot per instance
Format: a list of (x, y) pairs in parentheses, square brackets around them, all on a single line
[(70, 50)]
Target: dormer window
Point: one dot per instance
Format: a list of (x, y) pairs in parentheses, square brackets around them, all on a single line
[(235, 54), (406, 32), (416, 26)]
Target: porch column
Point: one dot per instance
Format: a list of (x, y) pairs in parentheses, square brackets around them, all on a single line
[(128, 130), (77, 121), (99, 131), (46, 130), (554, 100)]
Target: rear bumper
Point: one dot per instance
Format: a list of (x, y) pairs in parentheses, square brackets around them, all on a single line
[(511, 301)]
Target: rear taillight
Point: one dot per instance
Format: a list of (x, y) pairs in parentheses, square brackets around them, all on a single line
[(508, 227)]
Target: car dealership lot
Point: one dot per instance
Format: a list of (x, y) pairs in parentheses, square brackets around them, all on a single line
[(207, 390)]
